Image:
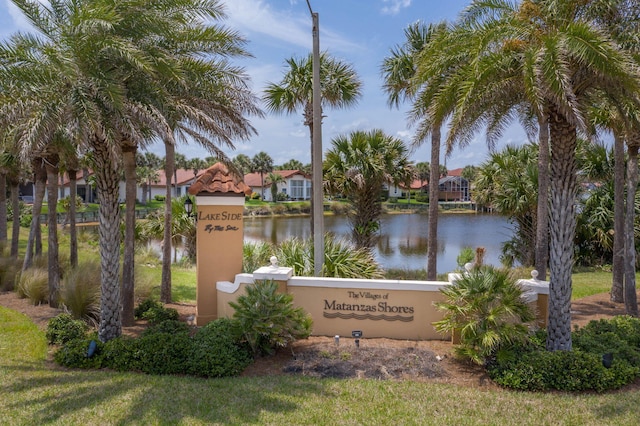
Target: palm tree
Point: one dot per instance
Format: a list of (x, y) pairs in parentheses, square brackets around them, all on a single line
[(262, 163), (122, 86), (340, 87), (548, 57), (402, 82), (242, 162), (357, 167), (292, 164), (274, 179), (508, 181)]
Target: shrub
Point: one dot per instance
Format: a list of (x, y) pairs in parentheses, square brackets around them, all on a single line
[(159, 197), (562, 370), (217, 352), (80, 292), (164, 352), (74, 354), (255, 255), (531, 367), (486, 308), (33, 284), (9, 268), (341, 259), (267, 318), (155, 312), (64, 328), (121, 354)]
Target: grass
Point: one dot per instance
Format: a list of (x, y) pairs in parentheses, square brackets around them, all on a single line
[(33, 393)]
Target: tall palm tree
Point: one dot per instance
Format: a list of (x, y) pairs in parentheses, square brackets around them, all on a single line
[(262, 163), (340, 87), (357, 167), (545, 56), (403, 81), (125, 80)]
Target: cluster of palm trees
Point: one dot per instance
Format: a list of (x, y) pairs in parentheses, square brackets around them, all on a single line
[(561, 68), (98, 80)]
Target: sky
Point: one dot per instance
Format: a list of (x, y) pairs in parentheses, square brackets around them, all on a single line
[(359, 32)]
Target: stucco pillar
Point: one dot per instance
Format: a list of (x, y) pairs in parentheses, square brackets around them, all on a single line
[(219, 233)]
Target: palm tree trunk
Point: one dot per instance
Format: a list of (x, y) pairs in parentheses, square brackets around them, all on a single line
[(73, 230), (617, 284), (165, 286), (53, 265), (107, 181), (434, 181), (630, 296), (128, 265), (562, 226), (40, 177), (542, 215), (3, 209), (15, 206)]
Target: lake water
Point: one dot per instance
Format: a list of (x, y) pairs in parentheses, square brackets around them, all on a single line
[(403, 237)]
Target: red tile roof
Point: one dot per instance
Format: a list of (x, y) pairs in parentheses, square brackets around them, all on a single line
[(217, 179)]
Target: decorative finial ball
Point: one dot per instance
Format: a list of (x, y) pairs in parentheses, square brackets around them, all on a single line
[(274, 261), (534, 274)]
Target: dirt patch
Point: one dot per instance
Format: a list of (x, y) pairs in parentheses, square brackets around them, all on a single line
[(320, 356)]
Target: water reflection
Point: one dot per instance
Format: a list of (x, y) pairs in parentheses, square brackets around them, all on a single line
[(403, 239)]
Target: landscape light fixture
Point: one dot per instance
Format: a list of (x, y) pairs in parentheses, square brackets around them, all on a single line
[(188, 207), (357, 334)]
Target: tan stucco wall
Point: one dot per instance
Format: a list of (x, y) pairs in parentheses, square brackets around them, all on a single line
[(219, 244), (379, 308)]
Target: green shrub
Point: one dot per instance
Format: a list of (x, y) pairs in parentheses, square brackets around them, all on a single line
[(531, 367), (562, 370), (255, 255), (80, 292), (159, 197), (164, 353), (33, 284), (217, 352), (278, 209), (486, 308), (121, 354), (155, 312), (63, 328), (74, 354), (168, 326), (267, 318)]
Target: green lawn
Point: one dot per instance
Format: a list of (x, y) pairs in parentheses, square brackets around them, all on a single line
[(31, 392)]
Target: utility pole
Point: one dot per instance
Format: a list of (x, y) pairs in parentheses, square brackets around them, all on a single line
[(316, 157)]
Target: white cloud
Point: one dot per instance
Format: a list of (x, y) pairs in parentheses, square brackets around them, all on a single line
[(291, 27), (394, 6)]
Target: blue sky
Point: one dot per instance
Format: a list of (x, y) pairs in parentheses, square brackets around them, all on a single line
[(356, 31)]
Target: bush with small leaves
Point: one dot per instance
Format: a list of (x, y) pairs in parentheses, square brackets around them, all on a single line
[(121, 354), (155, 312), (267, 318), (63, 328), (75, 354), (531, 367), (217, 351), (164, 352)]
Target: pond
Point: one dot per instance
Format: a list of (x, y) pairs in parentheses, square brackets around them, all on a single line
[(403, 237)]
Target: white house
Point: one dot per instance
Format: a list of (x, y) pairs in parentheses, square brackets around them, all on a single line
[(296, 184)]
